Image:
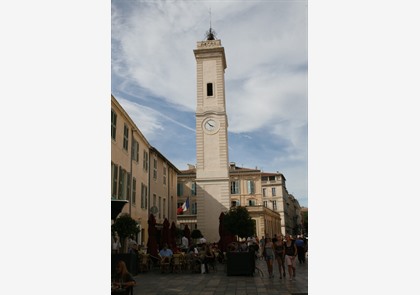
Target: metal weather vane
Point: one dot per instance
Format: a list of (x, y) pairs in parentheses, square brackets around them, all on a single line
[(210, 34)]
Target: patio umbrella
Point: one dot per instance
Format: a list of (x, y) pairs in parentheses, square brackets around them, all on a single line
[(225, 236), (152, 231), (172, 241), (165, 234)]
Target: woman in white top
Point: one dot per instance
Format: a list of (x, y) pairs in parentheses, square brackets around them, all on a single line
[(116, 245)]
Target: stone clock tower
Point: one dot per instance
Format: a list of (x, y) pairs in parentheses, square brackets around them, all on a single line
[(212, 179)]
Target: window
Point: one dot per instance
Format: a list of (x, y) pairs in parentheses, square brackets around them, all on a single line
[(273, 191), (145, 160), (113, 124), (133, 193), (114, 177), (160, 207), (164, 175), (209, 89), (128, 184), (265, 203), (264, 192), (274, 205), (234, 187), (180, 190), (170, 207), (194, 189), (194, 208), (154, 168), (143, 196), (250, 186), (122, 183), (135, 151), (164, 208), (251, 202), (125, 142), (235, 203)]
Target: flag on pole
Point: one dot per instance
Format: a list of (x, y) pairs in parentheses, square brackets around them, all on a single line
[(179, 210), (186, 205)]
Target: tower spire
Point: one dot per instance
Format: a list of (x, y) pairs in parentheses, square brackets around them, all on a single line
[(211, 34)]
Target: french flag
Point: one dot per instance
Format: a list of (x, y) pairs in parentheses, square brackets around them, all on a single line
[(186, 205)]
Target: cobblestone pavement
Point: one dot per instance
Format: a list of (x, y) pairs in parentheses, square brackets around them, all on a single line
[(217, 282)]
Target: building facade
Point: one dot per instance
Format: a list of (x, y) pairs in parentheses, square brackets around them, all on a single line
[(140, 174), (245, 190), (264, 195)]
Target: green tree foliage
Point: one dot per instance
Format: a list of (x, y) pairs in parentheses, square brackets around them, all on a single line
[(305, 222), (238, 221), (125, 226), (196, 234), (179, 233)]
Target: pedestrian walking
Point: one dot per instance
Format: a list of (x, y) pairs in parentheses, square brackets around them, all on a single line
[(300, 245), (269, 256), (280, 254), (262, 244), (290, 258)]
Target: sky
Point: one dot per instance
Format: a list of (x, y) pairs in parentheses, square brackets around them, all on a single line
[(266, 79)]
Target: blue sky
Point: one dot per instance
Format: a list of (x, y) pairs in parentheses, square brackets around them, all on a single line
[(153, 77)]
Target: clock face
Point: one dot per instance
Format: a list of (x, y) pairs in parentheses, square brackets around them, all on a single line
[(211, 125)]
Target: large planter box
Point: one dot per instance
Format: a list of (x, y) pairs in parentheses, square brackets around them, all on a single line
[(130, 259), (240, 263)]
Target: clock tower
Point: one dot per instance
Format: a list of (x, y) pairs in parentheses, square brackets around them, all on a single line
[(212, 178)]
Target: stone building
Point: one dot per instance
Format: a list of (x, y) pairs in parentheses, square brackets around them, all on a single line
[(140, 174)]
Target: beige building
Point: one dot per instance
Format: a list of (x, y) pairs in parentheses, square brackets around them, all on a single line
[(140, 174), (274, 195), (265, 196), (245, 190), (163, 185)]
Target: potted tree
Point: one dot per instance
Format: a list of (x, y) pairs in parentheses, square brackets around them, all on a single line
[(196, 234), (125, 226), (238, 222)]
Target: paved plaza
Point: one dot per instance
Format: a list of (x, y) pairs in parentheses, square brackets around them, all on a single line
[(216, 282)]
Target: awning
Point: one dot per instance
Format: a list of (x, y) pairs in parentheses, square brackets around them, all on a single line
[(116, 207)]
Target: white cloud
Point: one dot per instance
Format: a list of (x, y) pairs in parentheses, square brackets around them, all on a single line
[(266, 77)]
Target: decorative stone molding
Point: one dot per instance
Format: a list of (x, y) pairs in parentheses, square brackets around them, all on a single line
[(209, 44)]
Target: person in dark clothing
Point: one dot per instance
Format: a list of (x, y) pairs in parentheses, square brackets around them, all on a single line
[(209, 258), (290, 258), (300, 244)]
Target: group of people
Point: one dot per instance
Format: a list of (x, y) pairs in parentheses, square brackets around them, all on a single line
[(284, 252), (133, 247)]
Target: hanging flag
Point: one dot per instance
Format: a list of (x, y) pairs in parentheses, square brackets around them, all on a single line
[(186, 205), (179, 210)]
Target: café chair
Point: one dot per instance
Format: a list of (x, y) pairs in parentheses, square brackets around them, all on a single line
[(177, 262), (144, 262), (165, 263)]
